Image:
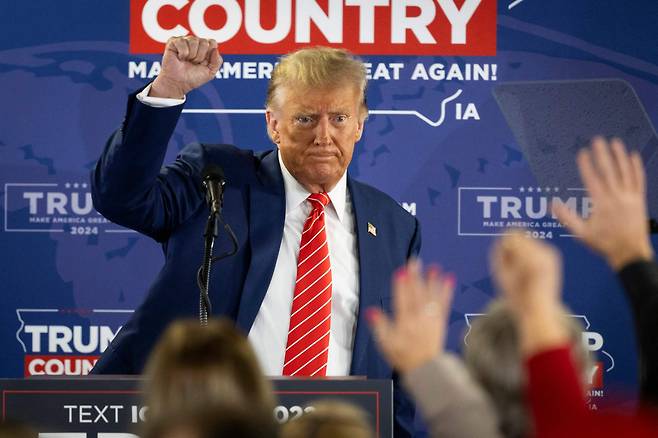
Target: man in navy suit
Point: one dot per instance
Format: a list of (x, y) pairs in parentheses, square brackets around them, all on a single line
[(316, 247)]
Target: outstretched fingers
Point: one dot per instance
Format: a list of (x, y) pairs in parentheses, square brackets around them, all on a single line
[(623, 164), (593, 182), (604, 164), (638, 177), (380, 324), (569, 218)]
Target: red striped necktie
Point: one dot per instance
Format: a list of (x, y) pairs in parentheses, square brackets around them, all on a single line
[(307, 348)]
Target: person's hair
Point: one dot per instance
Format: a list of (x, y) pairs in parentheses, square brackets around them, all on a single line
[(318, 67), (16, 429), (492, 354), (330, 419), (195, 367), (220, 421)]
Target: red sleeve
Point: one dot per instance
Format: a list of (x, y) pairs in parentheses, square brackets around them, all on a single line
[(555, 397), (554, 393)]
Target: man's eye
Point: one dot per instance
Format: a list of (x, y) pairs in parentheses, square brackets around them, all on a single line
[(304, 120), (341, 118)]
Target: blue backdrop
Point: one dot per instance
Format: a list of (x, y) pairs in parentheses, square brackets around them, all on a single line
[(436, 143)]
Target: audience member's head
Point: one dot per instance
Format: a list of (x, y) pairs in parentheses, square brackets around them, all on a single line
[(16, 429), (220, 421), (205, 369), (330, 419), (494, 357)]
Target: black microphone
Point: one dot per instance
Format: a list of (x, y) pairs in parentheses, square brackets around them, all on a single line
[(213, 183)]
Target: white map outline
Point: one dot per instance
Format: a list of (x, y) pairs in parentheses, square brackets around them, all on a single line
[(388, 112), (469, 316)]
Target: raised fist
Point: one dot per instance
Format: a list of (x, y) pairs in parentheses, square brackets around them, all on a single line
[(188, 62), (528, 273)]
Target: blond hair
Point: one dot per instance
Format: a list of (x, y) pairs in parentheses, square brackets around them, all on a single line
[(330, 419), (318, 67), (196, 367), (493, 356)]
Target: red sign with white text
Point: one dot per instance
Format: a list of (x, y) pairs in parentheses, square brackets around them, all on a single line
[(58, 365), (377, 27)]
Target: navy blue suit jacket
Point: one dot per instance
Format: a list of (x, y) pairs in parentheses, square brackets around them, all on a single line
[(131, 188)]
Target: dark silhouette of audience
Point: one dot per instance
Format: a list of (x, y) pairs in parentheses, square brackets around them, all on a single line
[(330, 419), (202, 380)]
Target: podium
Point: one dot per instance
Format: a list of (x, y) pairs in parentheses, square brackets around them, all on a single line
[(112, 407)]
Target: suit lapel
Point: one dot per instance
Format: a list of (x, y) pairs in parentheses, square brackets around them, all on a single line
[(267, 209), (266, 221), (369, 271)]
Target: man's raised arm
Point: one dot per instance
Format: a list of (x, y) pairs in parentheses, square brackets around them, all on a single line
[(129, 185)]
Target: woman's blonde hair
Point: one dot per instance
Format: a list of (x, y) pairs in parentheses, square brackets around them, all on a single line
[(493, 356), (330, 419), (196, 367)]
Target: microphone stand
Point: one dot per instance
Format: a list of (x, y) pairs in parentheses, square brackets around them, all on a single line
[(210, 234), (203, 275)]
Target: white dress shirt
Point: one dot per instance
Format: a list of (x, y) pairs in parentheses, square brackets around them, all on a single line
[(269, 333)]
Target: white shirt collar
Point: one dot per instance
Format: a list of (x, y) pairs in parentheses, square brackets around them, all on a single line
[(296, 193)]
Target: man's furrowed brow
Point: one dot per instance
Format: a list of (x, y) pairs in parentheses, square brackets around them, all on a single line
[(315, 112), (306, 111)]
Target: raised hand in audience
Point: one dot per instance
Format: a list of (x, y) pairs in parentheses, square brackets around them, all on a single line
[(529, 276), (618, 230), (412, 340), (415, 334), (618, 226)]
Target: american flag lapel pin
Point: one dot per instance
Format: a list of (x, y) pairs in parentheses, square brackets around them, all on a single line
[(372, 229)]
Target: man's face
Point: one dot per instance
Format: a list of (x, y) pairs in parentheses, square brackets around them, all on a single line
[(316, 129)]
